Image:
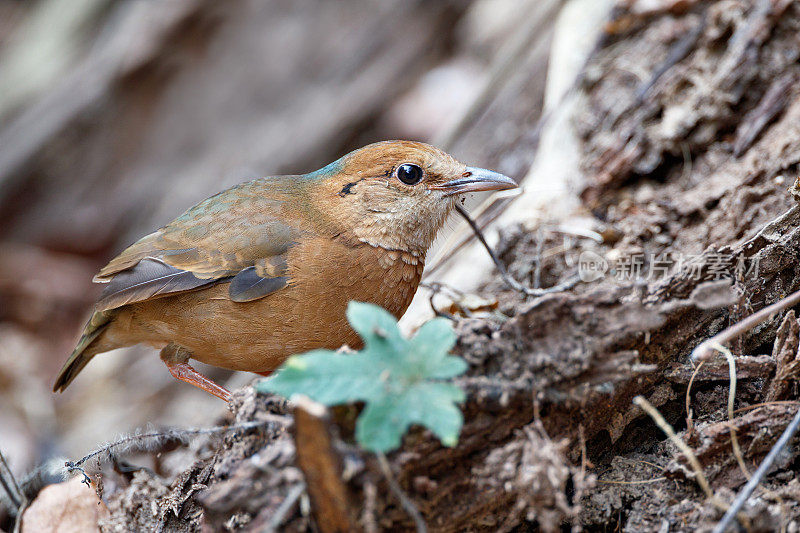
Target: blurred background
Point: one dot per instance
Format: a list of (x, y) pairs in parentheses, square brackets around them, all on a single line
[(637, 127), (115, 116)]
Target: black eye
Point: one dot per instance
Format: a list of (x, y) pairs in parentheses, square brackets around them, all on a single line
[(409, 174)]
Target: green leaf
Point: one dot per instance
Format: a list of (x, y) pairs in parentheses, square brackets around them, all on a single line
[(448, 367), (384, 421), (436, 337), (394, 376), (376, 326), (327, 377), (430, 346)]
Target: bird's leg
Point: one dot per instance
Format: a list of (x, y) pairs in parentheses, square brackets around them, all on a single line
[(184, 372), (177, 361)]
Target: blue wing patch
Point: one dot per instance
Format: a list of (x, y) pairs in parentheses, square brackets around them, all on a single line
[(247, 286)]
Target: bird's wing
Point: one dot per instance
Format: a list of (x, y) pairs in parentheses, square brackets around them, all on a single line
[(241, 234)]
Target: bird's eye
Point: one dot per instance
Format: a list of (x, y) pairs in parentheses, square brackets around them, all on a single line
[(409, 174)]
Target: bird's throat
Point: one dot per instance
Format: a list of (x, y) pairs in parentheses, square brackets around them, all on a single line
[(409, 234)]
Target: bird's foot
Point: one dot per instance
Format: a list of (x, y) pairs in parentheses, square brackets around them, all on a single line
[(184, 372)]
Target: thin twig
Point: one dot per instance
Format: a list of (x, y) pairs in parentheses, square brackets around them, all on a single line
[(368, 516), (684, 448), (637, 482), (537, 272), (142, 441), (511, 282), (759, 474), (689, 414), (648, 463), (286, 505), (437, 287), (640, 482), (737, 451), (706, 348), (580, 486), (766, 404), (405, 501)]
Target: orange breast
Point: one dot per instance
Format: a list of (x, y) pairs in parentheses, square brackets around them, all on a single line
[(258, 336)]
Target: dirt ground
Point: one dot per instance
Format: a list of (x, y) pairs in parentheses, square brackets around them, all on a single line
[(689, 122)]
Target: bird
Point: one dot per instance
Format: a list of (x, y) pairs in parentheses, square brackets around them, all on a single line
[(265, 269)]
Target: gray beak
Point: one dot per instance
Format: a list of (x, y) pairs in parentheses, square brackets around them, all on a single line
[(475, 180)]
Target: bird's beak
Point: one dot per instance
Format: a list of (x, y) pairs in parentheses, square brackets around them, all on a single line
[(475, 180)]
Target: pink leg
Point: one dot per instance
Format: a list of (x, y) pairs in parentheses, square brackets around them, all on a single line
[(177, 360), (184, 372)]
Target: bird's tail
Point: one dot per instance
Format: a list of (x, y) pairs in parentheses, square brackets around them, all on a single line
[(86, 349)]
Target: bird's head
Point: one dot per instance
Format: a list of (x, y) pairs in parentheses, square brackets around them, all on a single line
[(397, 194)]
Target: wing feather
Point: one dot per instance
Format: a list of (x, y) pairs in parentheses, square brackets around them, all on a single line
[(149, 278), (243, 233)]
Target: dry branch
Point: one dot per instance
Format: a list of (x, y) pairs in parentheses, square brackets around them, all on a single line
[(759, 474), (322, 467)]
